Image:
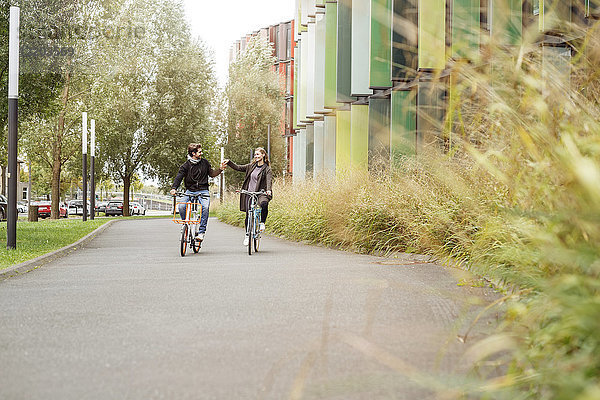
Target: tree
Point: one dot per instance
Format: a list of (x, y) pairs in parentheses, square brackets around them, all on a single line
[(37, 88), (65, 25), (255, 100), (182, 111), (158, 101)]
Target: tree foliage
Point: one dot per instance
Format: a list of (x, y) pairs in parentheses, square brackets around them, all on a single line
[(37, 88), (159, 98), (255, 100), (131, 65)]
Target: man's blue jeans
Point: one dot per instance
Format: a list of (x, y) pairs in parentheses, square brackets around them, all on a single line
[(204, 201)]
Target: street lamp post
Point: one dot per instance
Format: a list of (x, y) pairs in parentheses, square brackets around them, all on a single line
[(222, 183), (92, 162), (29, 188), (269, 140), (84, 157), (13, 104)]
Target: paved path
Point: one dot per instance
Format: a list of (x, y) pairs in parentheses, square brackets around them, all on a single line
[(128, 318)]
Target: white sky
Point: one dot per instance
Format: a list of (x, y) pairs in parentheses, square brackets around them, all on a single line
[(219, 23)]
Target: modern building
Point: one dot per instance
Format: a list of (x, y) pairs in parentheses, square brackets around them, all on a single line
[(281, 37), (372, 76)]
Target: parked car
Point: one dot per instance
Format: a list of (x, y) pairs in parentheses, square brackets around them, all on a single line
[(76, 207), (136, 208), (22, 207), (114, 207), (45, 209), (3, 207), (101, 206)]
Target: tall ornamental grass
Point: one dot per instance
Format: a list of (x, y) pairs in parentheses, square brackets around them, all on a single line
[(514, 198)]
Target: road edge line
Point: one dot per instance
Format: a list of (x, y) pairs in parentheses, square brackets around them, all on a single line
[(38, 262)]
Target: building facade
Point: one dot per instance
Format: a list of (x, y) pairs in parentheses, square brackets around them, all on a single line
[(281, 38), (372, 76)]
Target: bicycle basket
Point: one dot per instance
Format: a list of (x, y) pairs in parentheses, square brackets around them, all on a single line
[(180, 221)]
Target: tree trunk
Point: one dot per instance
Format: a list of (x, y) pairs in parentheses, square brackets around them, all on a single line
[(57, 151), (56, 169), (126, 187)]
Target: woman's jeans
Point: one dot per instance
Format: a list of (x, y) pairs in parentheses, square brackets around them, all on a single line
[(204, 201)]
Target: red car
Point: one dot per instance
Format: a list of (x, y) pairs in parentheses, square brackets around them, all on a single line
[(45, 207)]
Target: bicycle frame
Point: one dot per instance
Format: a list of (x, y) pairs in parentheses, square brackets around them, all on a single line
[(191, 223), (253, 224)]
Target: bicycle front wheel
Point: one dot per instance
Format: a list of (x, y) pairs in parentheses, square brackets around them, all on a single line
[(196, 245), (250, 232), (256, 234), (184, 240)]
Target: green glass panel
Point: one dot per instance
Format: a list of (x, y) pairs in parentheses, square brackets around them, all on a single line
[(403, 123), (300, 155), (330, 56), (431, 110), (361, 44), (432, 34), (310, 149), (556, 66), (405, 39), (320, 31), (296, 98), (359, 137), (507, 21), (344, 51), (319, 147), (465, 29), (555, 15), (379, 133), (343, 160), (303, 14), (312, 8), (381, 44), (329, 138), (298, 17), (592, 8), (302, 77), (309, 63)]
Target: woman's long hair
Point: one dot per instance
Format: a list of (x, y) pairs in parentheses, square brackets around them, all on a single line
[(264, 153)]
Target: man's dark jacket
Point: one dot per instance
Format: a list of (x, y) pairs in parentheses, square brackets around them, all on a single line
[(194, 176)]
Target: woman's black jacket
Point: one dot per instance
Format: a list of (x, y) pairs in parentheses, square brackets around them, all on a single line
[(264, 182)]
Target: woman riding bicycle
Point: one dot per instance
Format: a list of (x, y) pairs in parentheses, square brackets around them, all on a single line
[(258, 177)]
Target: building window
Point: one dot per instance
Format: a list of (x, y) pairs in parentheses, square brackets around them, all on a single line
[(288, 80), (287, 117), (25, 197)]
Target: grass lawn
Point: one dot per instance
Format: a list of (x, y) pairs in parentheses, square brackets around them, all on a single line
[(37, 238)]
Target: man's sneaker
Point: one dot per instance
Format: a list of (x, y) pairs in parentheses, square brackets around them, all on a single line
[(262, 226), (200, 237), (246, 240)]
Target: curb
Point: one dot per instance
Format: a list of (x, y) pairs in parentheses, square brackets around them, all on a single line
[(40, 261)]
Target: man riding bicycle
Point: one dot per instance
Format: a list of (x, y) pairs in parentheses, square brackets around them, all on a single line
[(194, 173)]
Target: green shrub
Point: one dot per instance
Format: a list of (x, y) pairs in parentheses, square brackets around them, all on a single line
[(516, 198)]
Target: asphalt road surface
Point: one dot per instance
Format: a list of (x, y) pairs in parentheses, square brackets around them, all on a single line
[(127, 318)]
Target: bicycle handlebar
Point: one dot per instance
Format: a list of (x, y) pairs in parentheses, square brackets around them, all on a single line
[(179, 194), (242, 191)]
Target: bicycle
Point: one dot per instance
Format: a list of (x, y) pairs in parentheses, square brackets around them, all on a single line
[(253, 224), (191, 223)]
